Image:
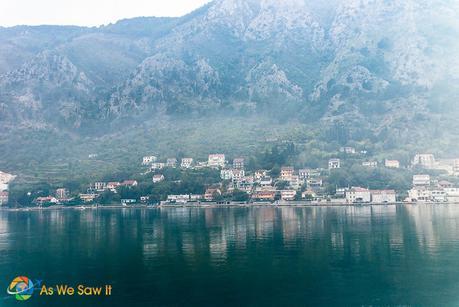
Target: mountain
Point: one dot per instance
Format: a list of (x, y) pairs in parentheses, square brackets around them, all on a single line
[(374, 71)]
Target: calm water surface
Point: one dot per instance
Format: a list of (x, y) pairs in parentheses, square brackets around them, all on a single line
[(375, 255)]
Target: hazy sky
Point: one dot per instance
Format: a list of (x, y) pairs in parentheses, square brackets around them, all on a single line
[(88, 12)]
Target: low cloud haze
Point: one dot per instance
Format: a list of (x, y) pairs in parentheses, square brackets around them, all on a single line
[(88, 12)]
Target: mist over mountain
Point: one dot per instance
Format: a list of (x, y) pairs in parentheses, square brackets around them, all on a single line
[(375, 68)]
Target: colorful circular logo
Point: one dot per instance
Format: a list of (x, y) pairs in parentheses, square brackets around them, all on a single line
[(21, 287)]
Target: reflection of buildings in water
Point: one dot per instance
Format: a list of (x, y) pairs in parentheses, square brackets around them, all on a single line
[(218, 247), (422, 218), (434, 224), (4, 231), (263, 222), (290, 223)]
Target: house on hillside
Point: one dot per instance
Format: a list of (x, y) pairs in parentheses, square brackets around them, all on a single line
[(147, 160), (158, 178), (186, 163), (216, 161), (238, 163), (334, 164), (286, 173), (392, 163)]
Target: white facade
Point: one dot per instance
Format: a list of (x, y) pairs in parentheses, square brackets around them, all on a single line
[(420, 194), (158, 178), (226, 174), (452, 195), (171, 162), (383, 196), (421, 180), (178, 198), (238, 174), (216, 160), (372, 164), (392, 164), (334, 164), (157, 165), (186, 162), (424, 160), (148, 160), (358, 195), (288, 194)]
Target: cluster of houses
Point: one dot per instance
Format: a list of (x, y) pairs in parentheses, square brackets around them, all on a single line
[(263, 185)]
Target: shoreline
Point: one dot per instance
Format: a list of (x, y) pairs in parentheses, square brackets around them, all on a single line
[(213, 205)]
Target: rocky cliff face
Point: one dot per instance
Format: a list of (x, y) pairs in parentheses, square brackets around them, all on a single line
[(374, 61)]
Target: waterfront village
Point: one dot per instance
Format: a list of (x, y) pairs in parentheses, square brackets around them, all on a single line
[(237, 185)]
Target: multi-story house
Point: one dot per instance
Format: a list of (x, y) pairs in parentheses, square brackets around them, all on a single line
[(148, 160), (238, 174), (347, 150), (334, 164), (238, 163), (286, 173), (392, 163), (371, 164), (288, 195), (421, 180), (358, 195), (158, 178), (62, 194), (226, 174), (424, 160), (383, 196), (216, 160), (171, 162), (186, 162), (157, 166)]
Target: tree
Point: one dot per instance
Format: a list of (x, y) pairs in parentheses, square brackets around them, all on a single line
[(239, 195)]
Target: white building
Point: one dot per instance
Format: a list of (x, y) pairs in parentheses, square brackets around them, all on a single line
[(158, 178), (452, 195), (383, 196), (306, 173), (421, 180), (148, 160), (358, 195), (372, 164), (157, 165), (238, 174), (216, 160), (456, 167), (288, 194), (171, 162), (421, 194), (334, 164), (424, 160), (184, 198), (439, 195), (226, 174), (347, 150), (62, 193), (286, 173), (392, 164), (295, 182), (266, 182), (238, 163), (186, 162)]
